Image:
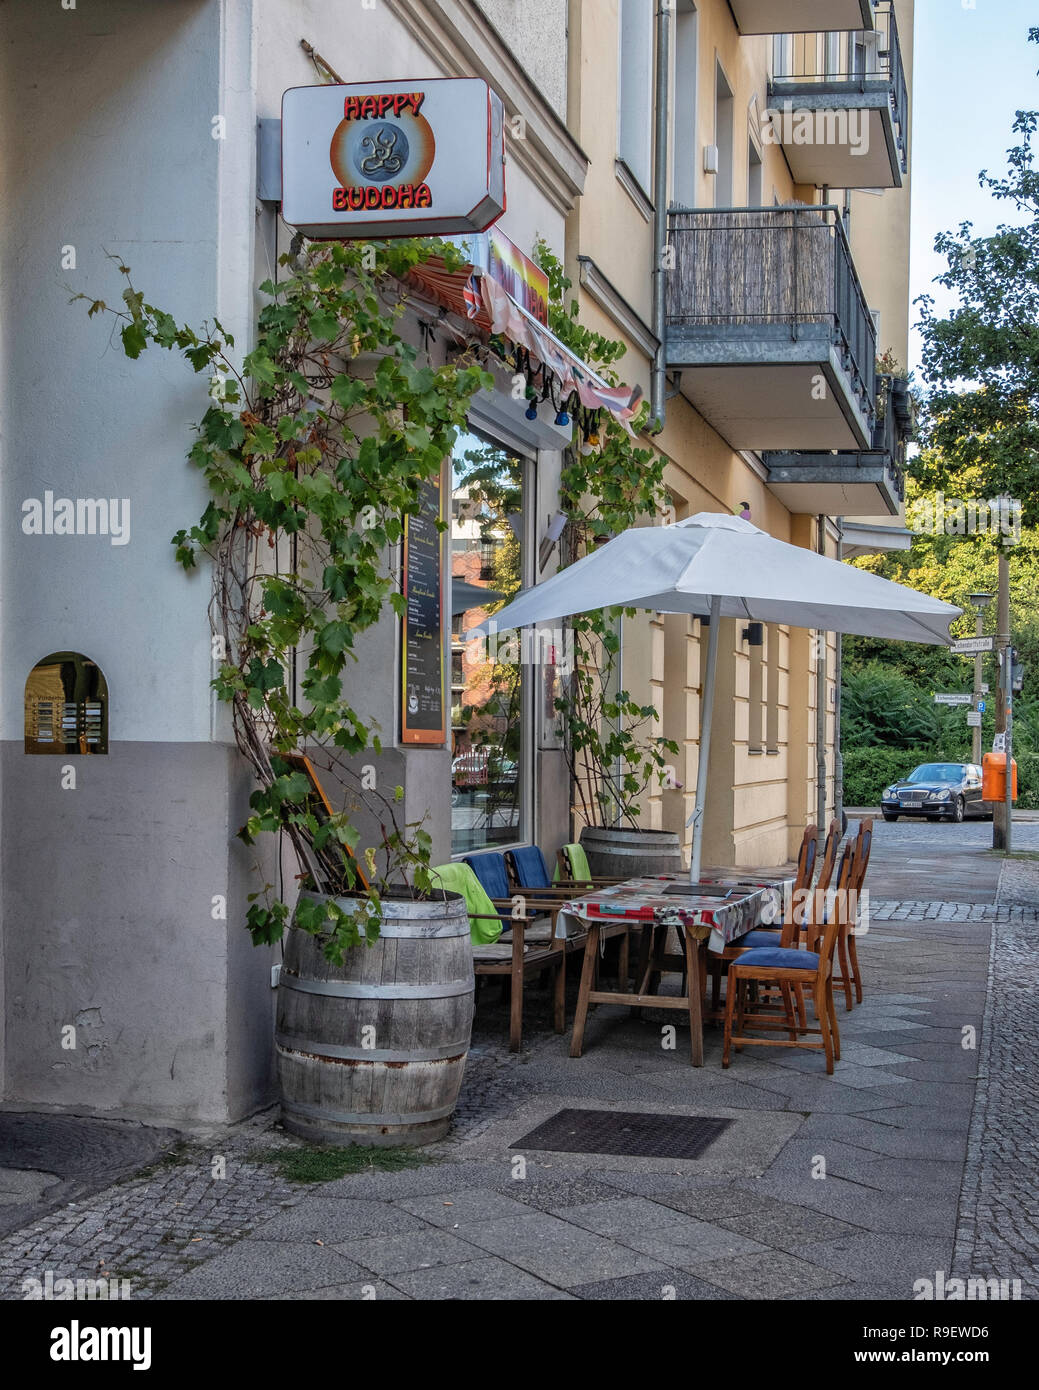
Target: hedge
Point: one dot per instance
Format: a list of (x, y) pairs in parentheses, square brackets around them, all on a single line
[(1027, 781), (867, 771)]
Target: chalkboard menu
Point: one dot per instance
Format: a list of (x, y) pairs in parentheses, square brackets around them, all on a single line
[(423, 707)]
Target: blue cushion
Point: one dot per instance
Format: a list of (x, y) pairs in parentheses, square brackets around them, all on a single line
[(783, 956), (531, 869), (490, 870), (758, 939)]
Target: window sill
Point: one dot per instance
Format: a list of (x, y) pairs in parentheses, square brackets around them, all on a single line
[(634, 189)]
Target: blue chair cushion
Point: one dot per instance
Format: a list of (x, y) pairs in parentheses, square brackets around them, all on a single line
[(490, 870), (531, 869), (783, 956), (760, 940)]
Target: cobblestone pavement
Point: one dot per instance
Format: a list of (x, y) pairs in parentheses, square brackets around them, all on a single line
[(998, 1232), (917, 1156)]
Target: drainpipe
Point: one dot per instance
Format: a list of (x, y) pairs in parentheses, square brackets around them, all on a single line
[(820, 709), (658, 390)]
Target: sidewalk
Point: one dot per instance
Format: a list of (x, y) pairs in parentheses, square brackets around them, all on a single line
[(916, 1157)]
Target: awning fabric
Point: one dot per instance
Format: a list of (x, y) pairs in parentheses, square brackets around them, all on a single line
[(475, 296)]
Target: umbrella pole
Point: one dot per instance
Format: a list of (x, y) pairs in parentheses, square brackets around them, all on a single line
[(707, 696)]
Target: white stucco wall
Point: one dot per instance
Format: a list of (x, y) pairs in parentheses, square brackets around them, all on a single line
[(536, 33)]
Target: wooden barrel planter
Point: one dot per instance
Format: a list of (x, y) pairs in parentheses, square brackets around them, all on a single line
[(616, 852), (373, 1051)]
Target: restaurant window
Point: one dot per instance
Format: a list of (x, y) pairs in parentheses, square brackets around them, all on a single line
[(490, 743)]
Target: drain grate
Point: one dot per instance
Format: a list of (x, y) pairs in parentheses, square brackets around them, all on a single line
[(618, 1132)]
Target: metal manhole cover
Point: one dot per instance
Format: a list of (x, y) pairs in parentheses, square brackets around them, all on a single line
[(618, 1132)]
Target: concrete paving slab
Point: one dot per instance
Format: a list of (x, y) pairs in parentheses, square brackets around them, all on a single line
[(387, 1255), (491, 1280), (264, 1269)]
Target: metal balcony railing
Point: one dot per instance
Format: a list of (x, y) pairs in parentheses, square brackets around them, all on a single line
[(857, 60), (787, 266), (889, 434)]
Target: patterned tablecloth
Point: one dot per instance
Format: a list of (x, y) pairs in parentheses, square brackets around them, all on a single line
[(718, 912)]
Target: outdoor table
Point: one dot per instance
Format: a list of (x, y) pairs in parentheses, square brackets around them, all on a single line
[(704, 915)]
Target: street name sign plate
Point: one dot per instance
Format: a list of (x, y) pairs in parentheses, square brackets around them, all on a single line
[(953, 699), (971, 646)]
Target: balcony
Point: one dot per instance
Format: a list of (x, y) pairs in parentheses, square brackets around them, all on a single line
[(799, 16), (840, 106), (867, 483), (769, 329)]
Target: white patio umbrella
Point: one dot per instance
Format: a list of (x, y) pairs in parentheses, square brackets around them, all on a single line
[(718, 566)]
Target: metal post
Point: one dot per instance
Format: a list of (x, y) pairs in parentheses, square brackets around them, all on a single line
[(1000, 820), (838, 677), (1009, 807), (707, 707), (979, 631), (820, 708), (658, 393)]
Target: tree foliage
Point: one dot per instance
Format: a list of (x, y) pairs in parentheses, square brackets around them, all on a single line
[(981, 361)]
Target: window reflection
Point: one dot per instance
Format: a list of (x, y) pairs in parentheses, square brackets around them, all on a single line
[(487, 727)]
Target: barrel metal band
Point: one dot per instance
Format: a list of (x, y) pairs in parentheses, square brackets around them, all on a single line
[(351, 989), (371, 1054), (425, 931), (360, 1117)]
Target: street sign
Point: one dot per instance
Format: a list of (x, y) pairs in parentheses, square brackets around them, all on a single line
[(982, 706), (973, 719), (953, 699), (970, 646), (984, 688)]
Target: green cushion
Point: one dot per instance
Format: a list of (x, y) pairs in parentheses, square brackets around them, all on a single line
[(578, 863), (459, 878)]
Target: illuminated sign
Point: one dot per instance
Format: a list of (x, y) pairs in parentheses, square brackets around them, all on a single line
[(386, 159)]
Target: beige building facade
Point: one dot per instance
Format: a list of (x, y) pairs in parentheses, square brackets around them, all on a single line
[(757, 117)]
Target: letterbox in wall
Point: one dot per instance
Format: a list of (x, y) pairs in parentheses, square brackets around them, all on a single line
[(66, 706)]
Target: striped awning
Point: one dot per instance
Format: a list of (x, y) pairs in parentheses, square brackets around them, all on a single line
[(474, 295)]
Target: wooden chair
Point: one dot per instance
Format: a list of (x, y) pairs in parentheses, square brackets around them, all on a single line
[(778, 934), (528, 876), (572, 873), (847, 953), (791, 970), (528, 945)]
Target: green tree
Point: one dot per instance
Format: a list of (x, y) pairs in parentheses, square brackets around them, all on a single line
[(981, 361)]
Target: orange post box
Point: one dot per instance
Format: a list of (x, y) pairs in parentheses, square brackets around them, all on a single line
[(994, 777)]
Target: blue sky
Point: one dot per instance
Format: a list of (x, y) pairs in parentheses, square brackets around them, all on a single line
[(974, 70)]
